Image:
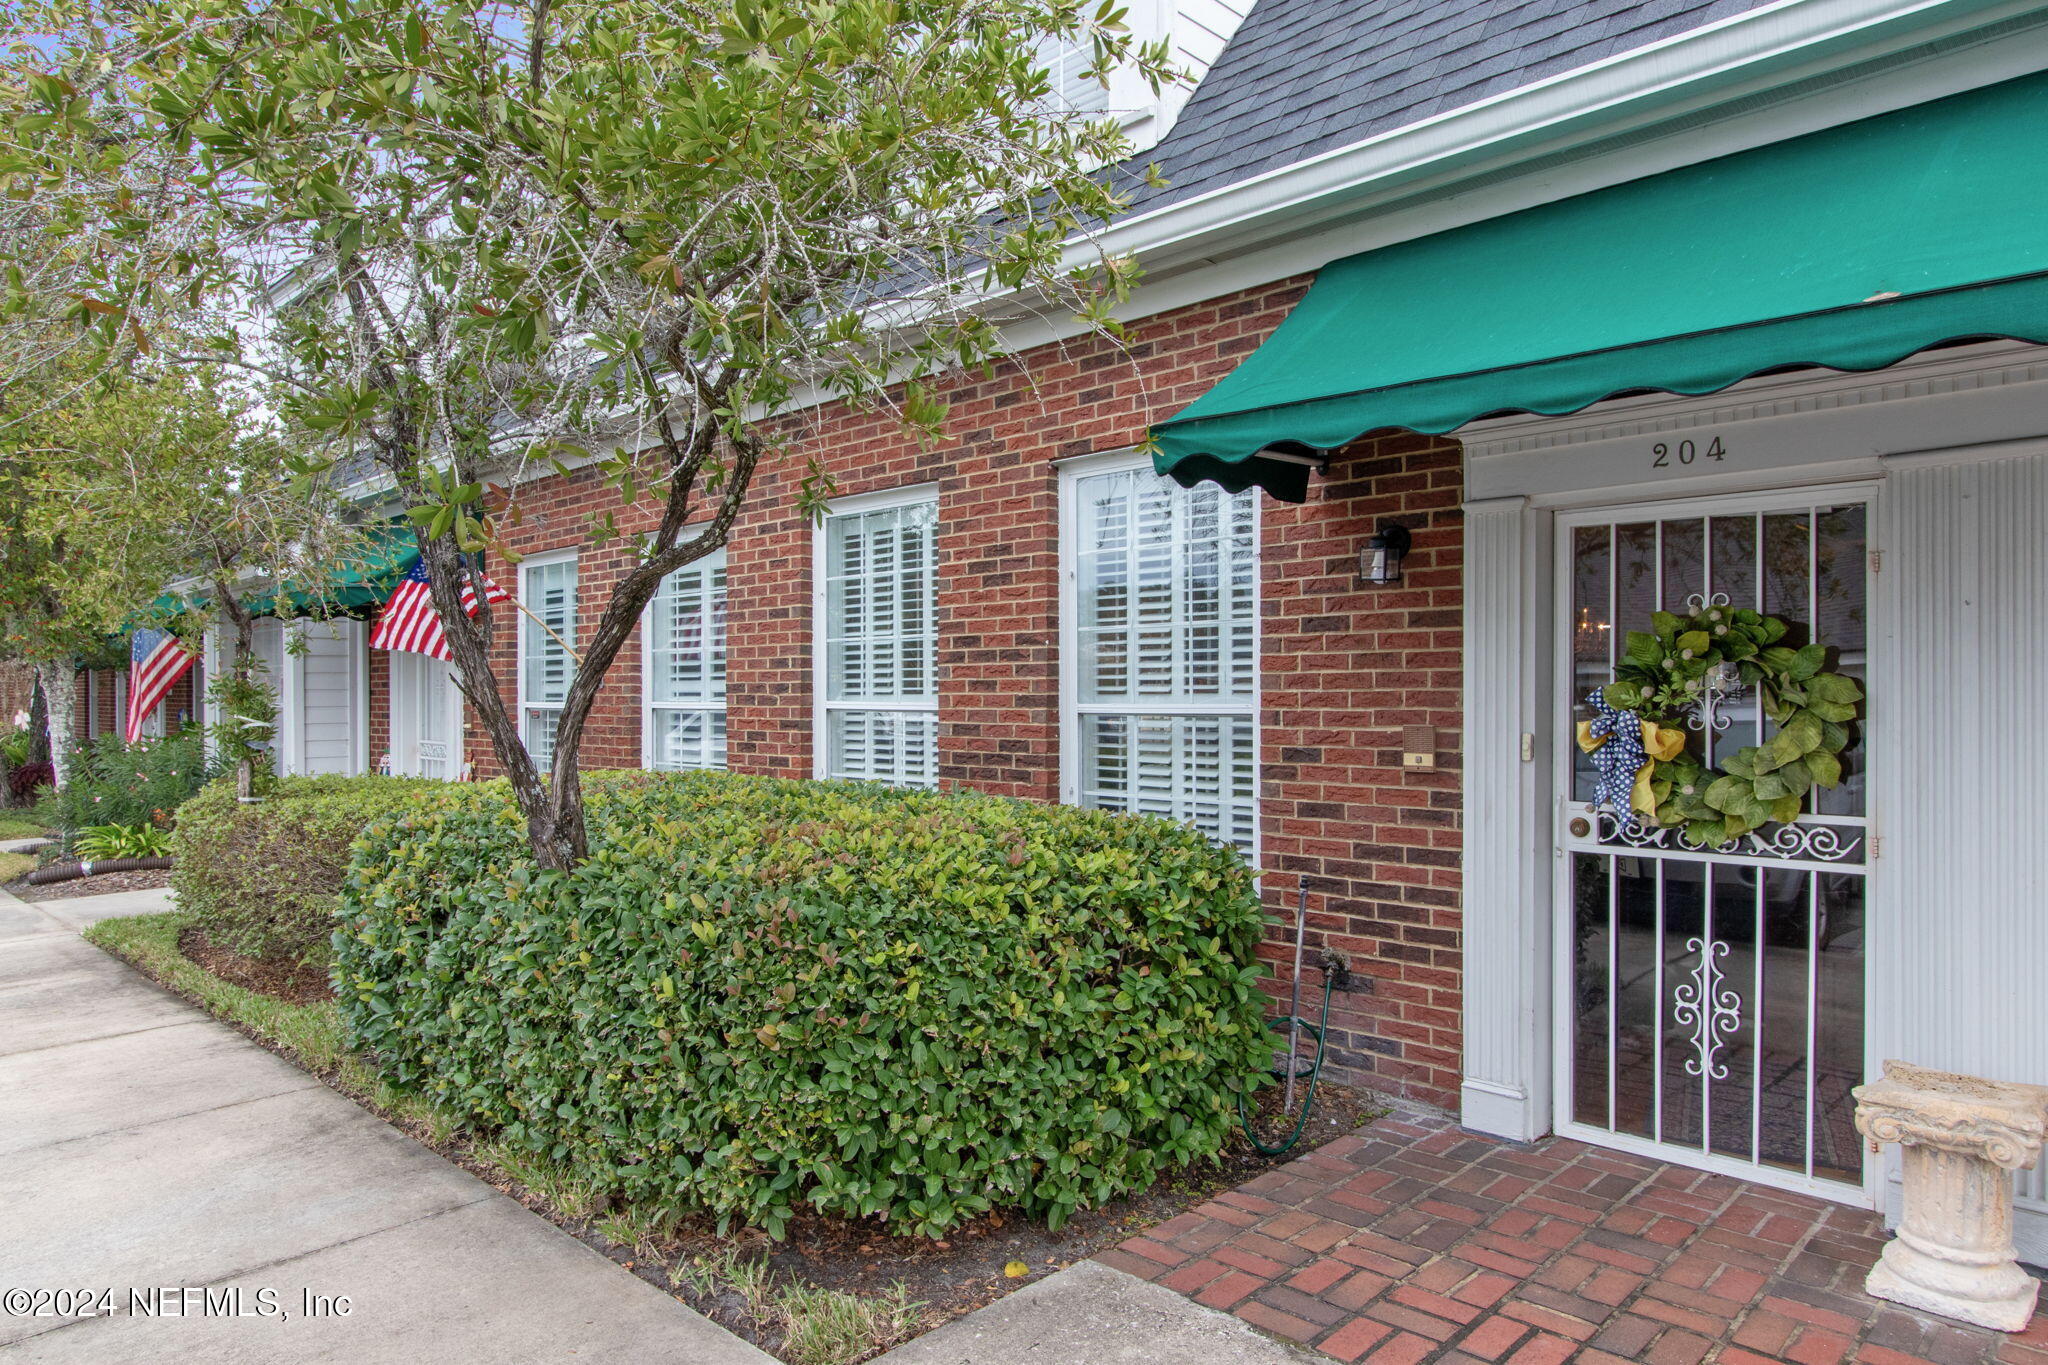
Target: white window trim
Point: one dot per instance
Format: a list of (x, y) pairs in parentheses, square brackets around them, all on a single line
[(526, 565), (648, 705), (821, 726), (1072, 708)]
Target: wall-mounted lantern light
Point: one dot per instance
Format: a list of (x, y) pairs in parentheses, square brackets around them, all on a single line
[(1380, 560)]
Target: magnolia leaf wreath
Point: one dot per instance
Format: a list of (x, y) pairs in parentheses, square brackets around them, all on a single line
[(1665, 677)]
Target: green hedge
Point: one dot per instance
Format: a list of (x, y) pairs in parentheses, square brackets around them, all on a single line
[(759, 993), (261, 878)]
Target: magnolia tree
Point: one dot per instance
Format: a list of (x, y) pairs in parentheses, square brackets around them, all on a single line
[(116, 486), (474, 242), (203, 501)]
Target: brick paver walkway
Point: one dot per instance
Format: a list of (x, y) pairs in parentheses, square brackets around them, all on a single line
[(1415, 1241)]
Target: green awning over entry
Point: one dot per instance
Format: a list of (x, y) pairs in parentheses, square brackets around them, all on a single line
[(368, 578), (1849, 248)]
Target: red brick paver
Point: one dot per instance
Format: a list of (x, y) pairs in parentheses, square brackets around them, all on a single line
[(1414, 1241)]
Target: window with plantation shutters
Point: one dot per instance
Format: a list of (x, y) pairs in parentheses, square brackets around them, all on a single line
[(684, 631), (877, 657), (548, 591), (1162, 643)]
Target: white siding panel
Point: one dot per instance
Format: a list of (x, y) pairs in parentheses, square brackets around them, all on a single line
[(1202, 28), (326, 704), (1507, 959), (1960, 940)]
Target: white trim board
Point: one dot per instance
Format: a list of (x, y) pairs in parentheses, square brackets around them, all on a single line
[(1814, 426)]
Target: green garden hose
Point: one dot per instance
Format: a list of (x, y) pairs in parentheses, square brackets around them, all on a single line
[(1315, 1071)]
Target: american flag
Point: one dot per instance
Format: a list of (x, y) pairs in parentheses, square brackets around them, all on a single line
[(156, 660), (409, 621)]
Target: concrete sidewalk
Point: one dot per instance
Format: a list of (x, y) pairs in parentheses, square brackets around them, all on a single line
[(145, 1146), (1090, 1314)]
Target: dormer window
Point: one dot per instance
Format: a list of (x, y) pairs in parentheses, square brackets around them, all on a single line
[(1068, 60)]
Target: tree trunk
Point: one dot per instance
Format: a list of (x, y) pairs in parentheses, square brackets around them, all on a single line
[(242, 668), (59, 683), (38, 723)]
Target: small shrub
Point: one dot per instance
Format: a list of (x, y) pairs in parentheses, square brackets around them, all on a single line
[(112, 783), (16, 745), (260, 878), (122, 841), (29, 778), (759, 993)]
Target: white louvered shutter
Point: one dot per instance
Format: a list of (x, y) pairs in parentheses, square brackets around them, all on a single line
[(1167, 635), (880, 658), (545, 665), (686, 666)]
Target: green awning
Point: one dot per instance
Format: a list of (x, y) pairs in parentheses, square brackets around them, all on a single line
[(1849, 248), (366, 578)]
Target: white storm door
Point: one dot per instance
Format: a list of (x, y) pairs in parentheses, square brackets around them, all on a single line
[(1710, 1001), (426, 719)]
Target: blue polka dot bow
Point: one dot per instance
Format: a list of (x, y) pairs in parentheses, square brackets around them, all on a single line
[(1620, 758)]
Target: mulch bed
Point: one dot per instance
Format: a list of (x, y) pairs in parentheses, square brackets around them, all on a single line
[(966, 1270), (949, 1278), (105, 884), (294, 982)]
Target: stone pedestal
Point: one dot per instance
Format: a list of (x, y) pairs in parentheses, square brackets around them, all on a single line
[(1960, 1138)]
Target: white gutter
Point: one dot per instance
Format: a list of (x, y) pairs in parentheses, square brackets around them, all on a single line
[(1630, 90)]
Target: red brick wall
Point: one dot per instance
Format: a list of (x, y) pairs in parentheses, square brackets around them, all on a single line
[(1345, 665), (377, 672), (179, 701)]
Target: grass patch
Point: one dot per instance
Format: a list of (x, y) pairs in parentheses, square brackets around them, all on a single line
[(14, 865), (827, 1326), (818, 1326), (17, 828), (307, 1034)]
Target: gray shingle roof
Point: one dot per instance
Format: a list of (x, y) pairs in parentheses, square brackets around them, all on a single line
[(1305, 76)]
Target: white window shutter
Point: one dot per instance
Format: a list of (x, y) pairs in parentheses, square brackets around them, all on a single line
[(685, 689), (880, 657), (1167, 636)]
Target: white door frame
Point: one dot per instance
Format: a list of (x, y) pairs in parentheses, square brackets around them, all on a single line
[(1939, 431), (1865, 1193)]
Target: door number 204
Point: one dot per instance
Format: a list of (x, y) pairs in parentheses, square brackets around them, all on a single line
[(1668, 454)]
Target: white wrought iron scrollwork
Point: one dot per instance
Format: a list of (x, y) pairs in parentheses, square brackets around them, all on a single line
[(1788, 843), (1710, 1009), (1719, 681), (1820, 843), (1634, 831)]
